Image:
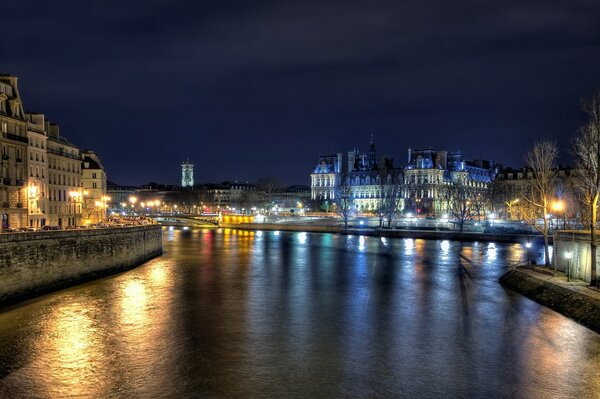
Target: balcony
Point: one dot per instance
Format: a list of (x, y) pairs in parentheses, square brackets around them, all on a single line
[(62, 153), (15, 137)]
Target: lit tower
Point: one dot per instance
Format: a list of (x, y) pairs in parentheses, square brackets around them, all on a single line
[(187, 174)]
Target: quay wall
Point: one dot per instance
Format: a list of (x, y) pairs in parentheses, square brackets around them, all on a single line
[(282, 227), (582, 308), (424, 234), (33, 263)]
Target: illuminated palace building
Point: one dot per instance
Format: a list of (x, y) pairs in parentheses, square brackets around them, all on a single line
[(40, 170), (418, 183)]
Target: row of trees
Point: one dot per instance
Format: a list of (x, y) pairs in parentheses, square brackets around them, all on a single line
[(461, 200), (535, 202)]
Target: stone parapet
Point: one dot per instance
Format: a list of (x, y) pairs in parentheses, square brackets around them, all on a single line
[(36, 262)]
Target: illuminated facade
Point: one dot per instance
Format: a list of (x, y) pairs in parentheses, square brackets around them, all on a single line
[(40, 170), (37, 170), (13, 147), (419, 183), (429, 170), (93, 181), (367, 181), (64, 180), (187, 174), (325, 177)]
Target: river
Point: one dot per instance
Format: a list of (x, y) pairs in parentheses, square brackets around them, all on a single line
[(228, 313)]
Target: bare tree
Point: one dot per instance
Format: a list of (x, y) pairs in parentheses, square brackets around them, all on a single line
[(270, 185), (586, 148), (458, 197), (540, 189), (390, 198), (343, 198)]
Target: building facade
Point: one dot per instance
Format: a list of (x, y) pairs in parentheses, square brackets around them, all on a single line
[(13, 164), (37, 169), (40, 170), (93, 181), (429, 172), (64, 179), (420, 184)]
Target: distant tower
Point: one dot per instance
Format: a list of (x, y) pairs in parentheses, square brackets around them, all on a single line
[(372, 157), (187, 174)]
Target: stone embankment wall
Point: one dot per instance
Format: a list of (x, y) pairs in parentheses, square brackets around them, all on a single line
[(584, 309), (282, 227), (425, 234), (34, 263)]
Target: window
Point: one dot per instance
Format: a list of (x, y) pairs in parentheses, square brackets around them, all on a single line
[(4, 127), (94, 185), (93, 175)]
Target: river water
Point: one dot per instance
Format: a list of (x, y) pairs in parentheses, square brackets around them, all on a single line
[(228, 313)]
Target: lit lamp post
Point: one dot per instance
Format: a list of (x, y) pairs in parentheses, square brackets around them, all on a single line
[(74, 195), (105, 199), (558, 207), (132, 200)]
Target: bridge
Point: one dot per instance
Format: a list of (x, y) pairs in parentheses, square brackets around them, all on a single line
[(186, 220)]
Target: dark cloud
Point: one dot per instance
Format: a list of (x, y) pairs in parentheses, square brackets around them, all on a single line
[(247, 89)]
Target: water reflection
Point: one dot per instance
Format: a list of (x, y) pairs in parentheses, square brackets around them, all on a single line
[(234, 313)]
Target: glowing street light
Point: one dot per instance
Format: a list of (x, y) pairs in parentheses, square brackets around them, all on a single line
[(558, 206), (74, 195)]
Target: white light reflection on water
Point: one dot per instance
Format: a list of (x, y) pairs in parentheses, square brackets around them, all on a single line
[(409, 246), (302, 237), (492, 253), (445, 246), (361, 243)]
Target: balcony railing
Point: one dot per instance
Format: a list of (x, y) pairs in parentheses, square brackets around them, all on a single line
[(15, 137), (62, 153)]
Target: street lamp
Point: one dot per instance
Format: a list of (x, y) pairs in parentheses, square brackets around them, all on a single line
[(558, 207), (104, 200), (74, 195), (132, 200)]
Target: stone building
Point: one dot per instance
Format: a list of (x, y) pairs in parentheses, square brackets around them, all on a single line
[(325, 177), (428, 171), (510, 185), (93, 181), (366, 179), (419, 183), (37, 170), (40, 171), (13, 143), (64, 179)]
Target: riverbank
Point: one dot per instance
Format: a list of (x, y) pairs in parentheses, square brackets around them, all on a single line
[(392, 233), (574, 299), (34, 263)]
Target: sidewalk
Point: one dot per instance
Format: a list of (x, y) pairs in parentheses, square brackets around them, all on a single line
[(574, 299)]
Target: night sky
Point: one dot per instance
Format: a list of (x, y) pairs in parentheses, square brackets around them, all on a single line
[(261, 88)]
